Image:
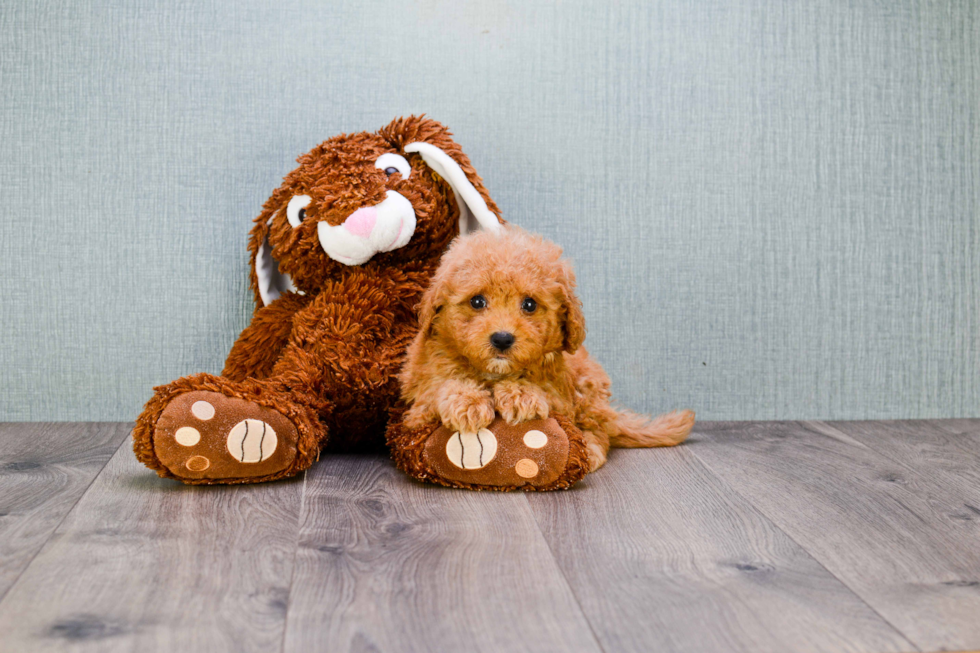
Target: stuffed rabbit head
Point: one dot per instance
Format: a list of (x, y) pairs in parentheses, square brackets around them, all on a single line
[(389, 199)]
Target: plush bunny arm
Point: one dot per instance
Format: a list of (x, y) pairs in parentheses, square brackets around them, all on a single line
[(261, 344)]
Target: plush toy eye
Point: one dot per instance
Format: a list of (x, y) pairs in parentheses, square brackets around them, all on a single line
[(392, 163), (478, 302), (296, 209), (528, 305)]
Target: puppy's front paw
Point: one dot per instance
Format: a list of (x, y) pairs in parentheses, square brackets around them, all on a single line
[(520, 402), (419, 415), (467, 412)]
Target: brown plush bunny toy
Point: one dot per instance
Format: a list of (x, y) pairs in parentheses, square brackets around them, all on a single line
[(340, 256)]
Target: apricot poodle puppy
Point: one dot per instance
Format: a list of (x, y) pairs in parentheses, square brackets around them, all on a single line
[(501, 331)]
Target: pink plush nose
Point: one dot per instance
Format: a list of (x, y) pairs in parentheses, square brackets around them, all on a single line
[(361, 222)]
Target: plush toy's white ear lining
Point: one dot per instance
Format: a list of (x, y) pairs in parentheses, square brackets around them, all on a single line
[(473, 211), (272, 282)]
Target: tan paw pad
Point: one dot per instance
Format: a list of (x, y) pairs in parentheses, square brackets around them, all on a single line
[(526, 468), (535, 439), (197, 463), (202, 410), (187, 436)]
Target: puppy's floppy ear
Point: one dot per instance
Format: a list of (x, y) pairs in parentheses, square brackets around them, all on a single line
[(433, 301), (433, 142), (574, 323), (267, 282)]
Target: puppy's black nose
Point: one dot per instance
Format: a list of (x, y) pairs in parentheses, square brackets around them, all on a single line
[(502, 340)]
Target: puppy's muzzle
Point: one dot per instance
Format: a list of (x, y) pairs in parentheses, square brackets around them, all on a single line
[(502, 340)]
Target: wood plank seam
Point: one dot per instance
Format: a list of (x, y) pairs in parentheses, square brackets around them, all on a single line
[(561, 572), (292, 573)]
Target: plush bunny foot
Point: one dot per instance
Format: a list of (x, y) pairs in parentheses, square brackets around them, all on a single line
[(207, 436), (546, 454)]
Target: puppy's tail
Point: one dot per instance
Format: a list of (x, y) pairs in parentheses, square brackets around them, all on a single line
[(637, 431)]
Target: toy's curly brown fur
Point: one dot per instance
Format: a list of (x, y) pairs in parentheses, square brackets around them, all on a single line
[(326, 357), (454, 374)]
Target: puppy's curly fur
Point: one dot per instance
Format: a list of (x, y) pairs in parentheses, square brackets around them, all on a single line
[(454, 373)]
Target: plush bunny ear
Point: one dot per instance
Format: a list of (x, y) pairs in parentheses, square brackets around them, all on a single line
[(473, 211), (268, 282), (434, 143)]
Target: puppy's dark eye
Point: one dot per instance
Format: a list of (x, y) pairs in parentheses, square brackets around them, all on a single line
[(301, 215), (391, 170), (478, 302), (529, 305)]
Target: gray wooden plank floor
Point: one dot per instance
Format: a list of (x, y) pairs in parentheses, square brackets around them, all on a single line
[(891, 531), (456, 571), (40, 482), (657, 541), (143, 563), (859, 536)]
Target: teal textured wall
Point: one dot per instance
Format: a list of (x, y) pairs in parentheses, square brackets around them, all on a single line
[(773, 206)]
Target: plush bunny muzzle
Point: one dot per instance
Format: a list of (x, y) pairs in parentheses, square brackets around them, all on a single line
[(369, 230)]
